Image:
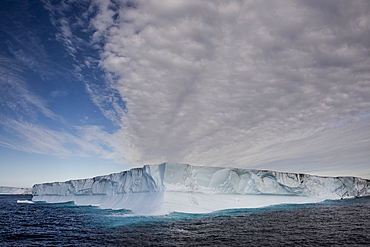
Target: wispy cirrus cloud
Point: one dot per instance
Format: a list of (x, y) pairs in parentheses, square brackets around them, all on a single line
[(31, 81), (22, 129), (109, 102), (64, 24), (83, 141)]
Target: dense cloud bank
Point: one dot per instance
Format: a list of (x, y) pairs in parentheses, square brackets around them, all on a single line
[(213, 82)]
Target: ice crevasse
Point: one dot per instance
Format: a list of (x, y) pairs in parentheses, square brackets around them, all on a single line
[(165, 188)]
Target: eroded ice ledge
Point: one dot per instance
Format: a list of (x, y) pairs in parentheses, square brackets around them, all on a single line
[(160, 189)]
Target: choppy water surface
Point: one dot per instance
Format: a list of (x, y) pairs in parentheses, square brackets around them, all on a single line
[(345, 222)]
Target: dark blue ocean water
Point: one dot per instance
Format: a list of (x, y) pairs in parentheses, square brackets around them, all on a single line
[(331, 223)]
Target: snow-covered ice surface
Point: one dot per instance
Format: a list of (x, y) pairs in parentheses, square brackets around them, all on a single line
[(165, 188), (5, 190)]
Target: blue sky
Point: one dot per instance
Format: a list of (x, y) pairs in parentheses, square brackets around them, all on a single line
[(94, 87)]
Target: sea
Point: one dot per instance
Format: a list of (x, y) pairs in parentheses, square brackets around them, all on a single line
[(330, 223)]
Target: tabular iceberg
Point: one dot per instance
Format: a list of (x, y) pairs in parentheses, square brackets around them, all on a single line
[(6, 190), (165, 188)]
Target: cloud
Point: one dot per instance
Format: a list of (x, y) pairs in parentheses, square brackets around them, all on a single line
[(208, 82), (279, 85), (109, 102), (17, 99), (30, 76), (65, 37), (58, 93), (21, 128), (70, 24), (83, 141)]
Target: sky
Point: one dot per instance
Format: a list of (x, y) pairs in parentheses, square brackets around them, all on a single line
[(92, 87)]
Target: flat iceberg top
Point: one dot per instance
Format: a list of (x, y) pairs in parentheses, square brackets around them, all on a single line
[(6, 190), (180, 187)]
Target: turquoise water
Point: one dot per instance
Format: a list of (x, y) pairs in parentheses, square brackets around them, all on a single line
[(336, 223)]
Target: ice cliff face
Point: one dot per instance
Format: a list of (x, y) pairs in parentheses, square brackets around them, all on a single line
[(146, 179), (5, 190), (246, 182), (178, 187)]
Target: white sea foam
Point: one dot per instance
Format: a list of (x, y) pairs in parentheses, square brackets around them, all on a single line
[(24, 201)]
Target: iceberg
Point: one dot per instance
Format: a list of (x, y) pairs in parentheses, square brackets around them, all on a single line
[(165, 188), (5, 190)]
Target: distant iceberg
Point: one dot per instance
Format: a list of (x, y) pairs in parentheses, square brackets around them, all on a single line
[(5, 190), (165, 188)]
